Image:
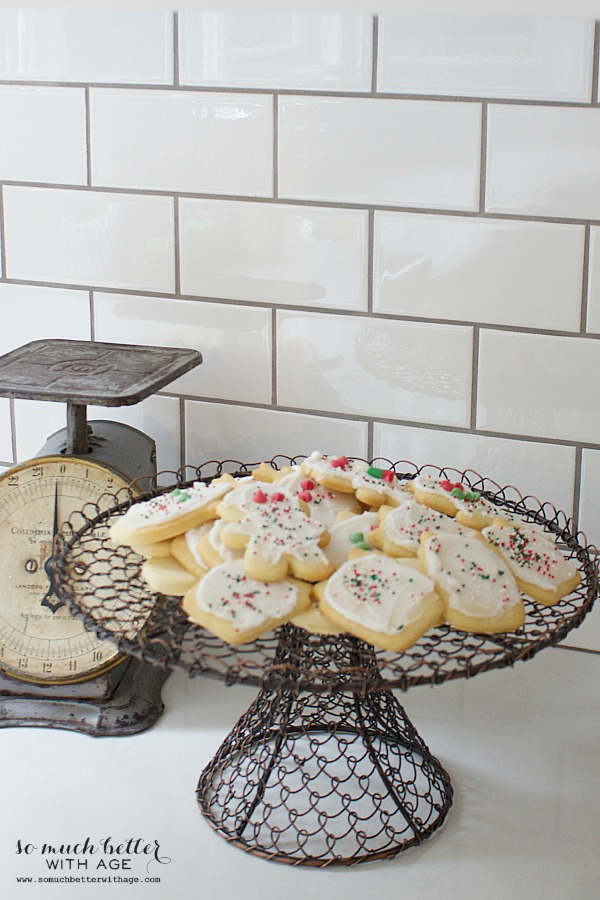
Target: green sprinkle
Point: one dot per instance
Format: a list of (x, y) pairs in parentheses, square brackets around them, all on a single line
[(362, 545), (375, 472), (357, 537)]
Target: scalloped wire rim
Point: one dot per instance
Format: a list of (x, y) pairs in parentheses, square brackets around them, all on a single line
[(104, 585)]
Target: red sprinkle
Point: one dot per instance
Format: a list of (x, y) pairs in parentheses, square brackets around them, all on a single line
[(305, 495), (259, 497), (307, 485), (388, 476), (277, 496), (450, 485), (340, 463)]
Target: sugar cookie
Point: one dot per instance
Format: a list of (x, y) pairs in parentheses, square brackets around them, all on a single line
[(348, 533), (171, 513), (401, 527), (453, 499), (237, 608), (278, 536), (335, 472), (540, 569), (376, 486), (323, 503), (381, 601), (166, 575), (476, 585), (186, 549)]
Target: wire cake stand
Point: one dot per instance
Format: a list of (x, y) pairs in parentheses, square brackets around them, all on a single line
[(324, 768)]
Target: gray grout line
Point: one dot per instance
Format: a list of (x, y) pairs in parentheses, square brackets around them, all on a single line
[(329, 311), (177, 248), (182, 428), (474, 378), (13, 429), (176, 50), (275, 147), (577, 485), (483, 158), (274, 357), (2, 236), (370, 439), (88, 137), (317, 93), (92, 316), (596, 63), (370, 260), (303, 202), (585, 282), (375, 55)]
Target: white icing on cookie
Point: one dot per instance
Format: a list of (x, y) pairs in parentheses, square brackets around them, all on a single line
[(443, 487), (192, 539), (388, 486), (243, 495), (341, 533), (227, 592), (323, 503), (530, 557), (476, 580), (320, 465), (378, 593), (216, 542), (173, 504), (405, 524), (278, 526)]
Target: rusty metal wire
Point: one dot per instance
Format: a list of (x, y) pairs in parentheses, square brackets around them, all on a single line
[(103, 582)]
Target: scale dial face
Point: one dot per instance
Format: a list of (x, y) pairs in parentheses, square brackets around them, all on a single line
[(41, 641)]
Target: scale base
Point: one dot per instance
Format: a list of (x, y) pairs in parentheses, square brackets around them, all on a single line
[(319, 780), (126, 700)]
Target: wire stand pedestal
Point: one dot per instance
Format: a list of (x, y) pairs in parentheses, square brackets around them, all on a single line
[(324, 779), (324, 768)]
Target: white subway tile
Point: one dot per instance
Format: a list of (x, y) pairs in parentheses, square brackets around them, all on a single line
[(158, 417), (85, 237), (517, 57), (235, 341), (375, 367), (201, 142), (461, 268), (35, 421), (91, 45), (217, 432), (293, 50), (589, 508), (393, 152), (539, 385), (545, 471), (6, 451), (31, 313), (543, 161), (593, 310), (44, 134), (274, 253)]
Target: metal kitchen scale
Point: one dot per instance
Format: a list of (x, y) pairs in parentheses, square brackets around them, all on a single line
[(53, 671)]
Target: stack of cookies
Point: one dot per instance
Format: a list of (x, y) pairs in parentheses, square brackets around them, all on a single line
[(335, 545)]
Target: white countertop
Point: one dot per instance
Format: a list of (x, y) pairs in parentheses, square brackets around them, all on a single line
[(522, 747)]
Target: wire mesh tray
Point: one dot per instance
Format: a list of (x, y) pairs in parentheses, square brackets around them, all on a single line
[(103, 582)]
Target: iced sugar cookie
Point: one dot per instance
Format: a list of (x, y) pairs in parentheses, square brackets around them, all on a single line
[(453, 499), (323, 503), (376, 486), (476, 585), (278, 537), (171, 513), (400, 528), (237, 608), (335, 472), (540, 569), (381, 600), (348, 533), (166, 575), (212, 548), (186, 549)]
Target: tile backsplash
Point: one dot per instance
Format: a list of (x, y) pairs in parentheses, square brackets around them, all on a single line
[(382, 232)]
